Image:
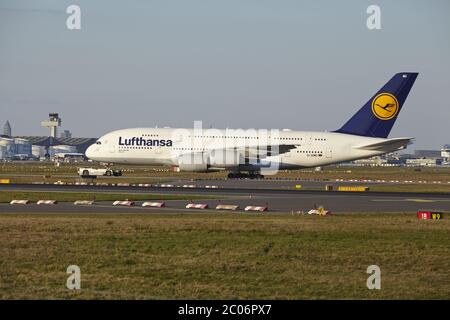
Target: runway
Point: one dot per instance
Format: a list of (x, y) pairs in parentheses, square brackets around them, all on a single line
[(278, 200), (278, 183)]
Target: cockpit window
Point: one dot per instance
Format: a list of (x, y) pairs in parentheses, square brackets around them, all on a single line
[(98, 142)]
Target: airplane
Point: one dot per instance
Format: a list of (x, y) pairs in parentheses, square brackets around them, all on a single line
[(250, 153)]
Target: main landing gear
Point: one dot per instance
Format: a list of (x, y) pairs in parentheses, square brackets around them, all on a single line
[(240, 175)]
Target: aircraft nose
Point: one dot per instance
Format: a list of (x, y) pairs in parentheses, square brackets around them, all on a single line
[(90, 152)]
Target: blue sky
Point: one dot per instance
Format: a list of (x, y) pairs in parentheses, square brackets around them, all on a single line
[(303, 65)]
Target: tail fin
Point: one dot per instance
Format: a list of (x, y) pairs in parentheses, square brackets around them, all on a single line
[(378, 115)]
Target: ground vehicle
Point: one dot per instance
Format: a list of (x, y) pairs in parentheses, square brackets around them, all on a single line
[(93, 172)]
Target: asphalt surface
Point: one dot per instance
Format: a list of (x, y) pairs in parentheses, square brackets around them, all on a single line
[(277, 200), (277, 183)]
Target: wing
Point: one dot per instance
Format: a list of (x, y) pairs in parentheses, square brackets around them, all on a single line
[(263, 151)]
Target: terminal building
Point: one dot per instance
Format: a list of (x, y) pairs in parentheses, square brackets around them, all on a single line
[(445, 154), (378, 161), (432, 154), (420, 158), (424, 162), (43, 147)]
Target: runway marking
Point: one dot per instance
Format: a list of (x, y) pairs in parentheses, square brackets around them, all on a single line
[(411, 200), (420, 200)]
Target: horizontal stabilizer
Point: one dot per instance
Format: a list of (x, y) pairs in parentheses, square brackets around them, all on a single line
[(387, 145)]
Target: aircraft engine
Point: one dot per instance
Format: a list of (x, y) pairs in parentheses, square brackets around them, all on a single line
[(193, 162), (226, 158)]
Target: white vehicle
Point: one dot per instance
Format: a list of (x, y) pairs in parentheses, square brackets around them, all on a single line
[(94, 172), (255, 151)]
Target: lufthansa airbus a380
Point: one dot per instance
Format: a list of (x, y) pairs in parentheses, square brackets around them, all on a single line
[(248, 153)]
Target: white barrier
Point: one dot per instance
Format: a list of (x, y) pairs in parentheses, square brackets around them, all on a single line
[(47, 202), (121, 184), (231, 207), (166, 186), (126, 203), (189, 186), (196, 206), (154, 204), (83, 202), (256, 208), (211, 187), (20, 202)]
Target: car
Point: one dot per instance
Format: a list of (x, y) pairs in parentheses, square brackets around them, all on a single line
[(94, 172)]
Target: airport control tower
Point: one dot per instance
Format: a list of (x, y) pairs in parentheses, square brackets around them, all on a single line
[(53, 123)]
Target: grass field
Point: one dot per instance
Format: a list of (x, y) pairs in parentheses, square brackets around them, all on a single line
[(7, 196), (223, 256), (41, 171)]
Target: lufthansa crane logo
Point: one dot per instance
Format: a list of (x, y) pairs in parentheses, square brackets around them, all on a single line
[(385, 106)]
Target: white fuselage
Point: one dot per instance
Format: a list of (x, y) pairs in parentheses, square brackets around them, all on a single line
[(166, 146)]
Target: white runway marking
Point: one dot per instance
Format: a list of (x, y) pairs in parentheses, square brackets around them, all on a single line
[(411, 200)]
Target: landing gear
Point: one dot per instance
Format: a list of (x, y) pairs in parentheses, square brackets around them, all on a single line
[(241, 175), (257, 176)]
